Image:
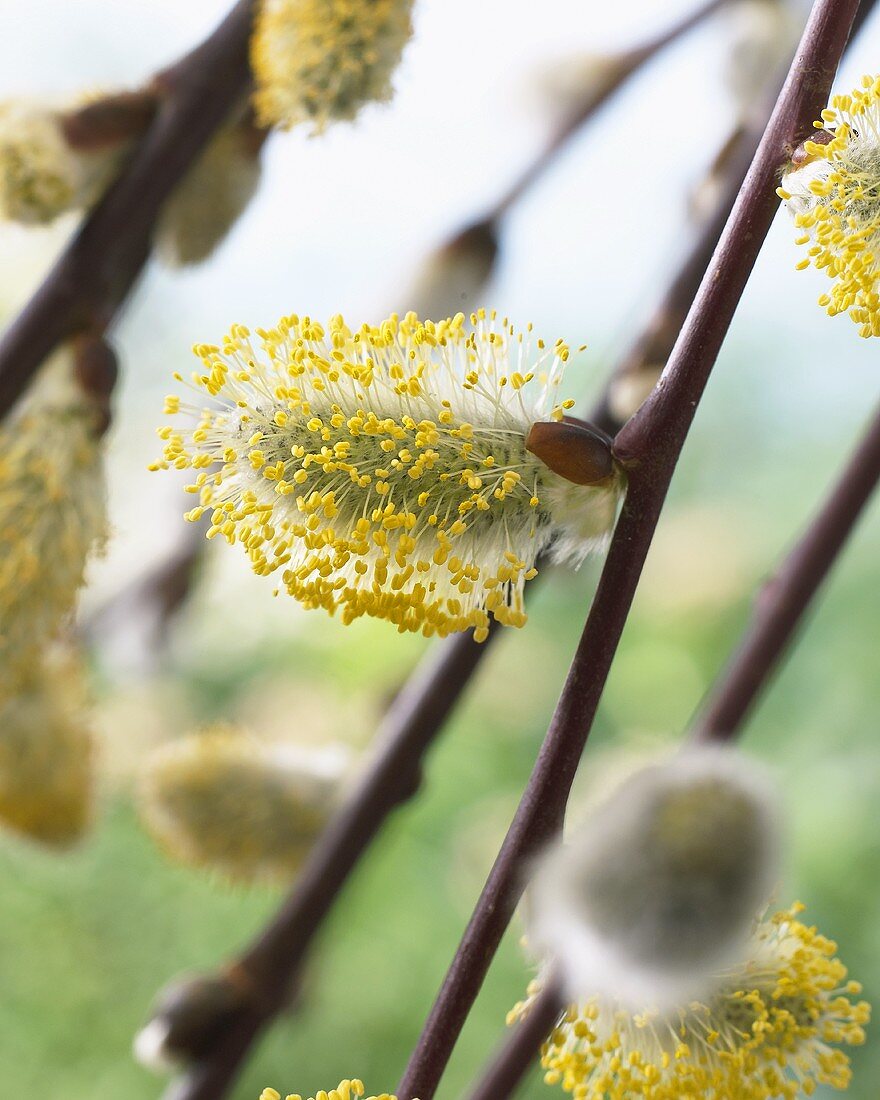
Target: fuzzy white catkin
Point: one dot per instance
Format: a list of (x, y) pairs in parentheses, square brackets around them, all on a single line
[(660, 887)]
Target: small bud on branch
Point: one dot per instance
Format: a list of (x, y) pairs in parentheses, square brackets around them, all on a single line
[(189, 1016), (109, 121)]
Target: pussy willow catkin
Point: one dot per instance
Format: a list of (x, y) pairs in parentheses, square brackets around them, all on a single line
[(42, 174), (47, 752), (251, 810), (770, 1028), (322, 60), (659, 888), (832, 189), (211, 197), (387, 470), (52, 514)]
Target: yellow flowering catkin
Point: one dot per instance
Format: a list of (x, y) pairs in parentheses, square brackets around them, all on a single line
[(46, 753), (221, 800), (771, 1030), (384, 471), (52, 513), (833, 191), (322, 60), (345, 1090)]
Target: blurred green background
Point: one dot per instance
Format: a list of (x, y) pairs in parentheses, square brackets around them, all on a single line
[(86, 938)]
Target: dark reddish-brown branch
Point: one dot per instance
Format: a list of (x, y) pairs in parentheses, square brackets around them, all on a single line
[(649, 445), (516, 1054), (97, 270), (782, 601)]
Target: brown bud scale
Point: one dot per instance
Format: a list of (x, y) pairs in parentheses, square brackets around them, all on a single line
[(109, 121), (572, 449)]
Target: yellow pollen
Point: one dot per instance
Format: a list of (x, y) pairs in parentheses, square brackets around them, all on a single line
[(772, 1030), (834, 196)]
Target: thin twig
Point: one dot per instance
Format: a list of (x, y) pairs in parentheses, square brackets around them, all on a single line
[(481, 235), (649, 445), (519, 1050), (97, 270), (783, 600), (619, 70), (160, 591)]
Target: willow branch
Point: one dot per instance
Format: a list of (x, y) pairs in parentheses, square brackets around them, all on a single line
[(519, 1050), (617, 70), (785, 598), (649, 445), (161, 590), (95, 273)]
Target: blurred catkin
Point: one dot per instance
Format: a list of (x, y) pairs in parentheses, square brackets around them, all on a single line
[(219, 799), (46, 752), (658, 888), (52, 512), (44, 170), (321, 61)]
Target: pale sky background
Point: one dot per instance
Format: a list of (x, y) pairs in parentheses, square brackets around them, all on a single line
[(341, 221)]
